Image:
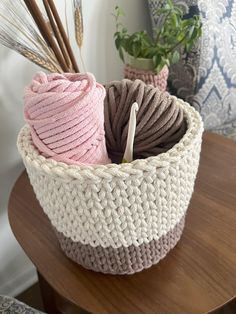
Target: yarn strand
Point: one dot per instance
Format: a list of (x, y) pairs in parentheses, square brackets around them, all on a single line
[(160, 121), (65, 113)]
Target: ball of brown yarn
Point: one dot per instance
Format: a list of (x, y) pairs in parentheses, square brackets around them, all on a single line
[(160, 121)]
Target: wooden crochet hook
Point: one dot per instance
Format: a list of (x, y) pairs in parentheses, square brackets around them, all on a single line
[(128, 155)]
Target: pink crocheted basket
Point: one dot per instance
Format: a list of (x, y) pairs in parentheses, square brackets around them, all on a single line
[(148, 77)]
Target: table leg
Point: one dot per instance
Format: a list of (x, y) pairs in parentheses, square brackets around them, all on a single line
[(48, 296), (54, 303)]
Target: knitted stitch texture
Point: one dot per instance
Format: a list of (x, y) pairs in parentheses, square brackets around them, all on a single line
[(122, 260), (115, 212), (157, 80)]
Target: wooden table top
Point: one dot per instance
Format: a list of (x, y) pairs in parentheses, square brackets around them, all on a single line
[(197, 276)]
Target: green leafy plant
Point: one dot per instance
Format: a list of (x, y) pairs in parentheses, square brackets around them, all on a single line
[(172, 34)]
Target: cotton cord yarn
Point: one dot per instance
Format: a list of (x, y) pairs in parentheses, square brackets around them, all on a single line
[(66, 117), (160, 121), (118, 219), (148, 77)]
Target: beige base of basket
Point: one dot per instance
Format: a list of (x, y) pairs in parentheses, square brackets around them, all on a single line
[(123, 260)]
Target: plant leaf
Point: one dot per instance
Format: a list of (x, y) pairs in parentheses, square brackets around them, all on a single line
[(175, 57)]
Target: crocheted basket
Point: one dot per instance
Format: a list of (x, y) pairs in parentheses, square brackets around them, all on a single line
[(118, 218), (148, 77)]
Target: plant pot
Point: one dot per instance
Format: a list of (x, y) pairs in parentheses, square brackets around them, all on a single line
[(149, 77), (139, 63), (118, 218), (143, 69)]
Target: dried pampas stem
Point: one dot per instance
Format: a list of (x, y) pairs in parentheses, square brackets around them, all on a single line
[(30, 54), (37, 59), (66, 19), (39, 37), (45, 31), (79, 28)]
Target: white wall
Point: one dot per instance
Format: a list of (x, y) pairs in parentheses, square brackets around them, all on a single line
[(101, 58), (16, 271)]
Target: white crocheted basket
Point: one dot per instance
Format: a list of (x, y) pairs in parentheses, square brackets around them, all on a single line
[(118, 219)]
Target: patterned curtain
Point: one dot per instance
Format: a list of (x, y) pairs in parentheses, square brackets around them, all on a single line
[(206, 77)]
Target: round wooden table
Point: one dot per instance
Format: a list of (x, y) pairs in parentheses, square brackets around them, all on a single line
[(197, 276)]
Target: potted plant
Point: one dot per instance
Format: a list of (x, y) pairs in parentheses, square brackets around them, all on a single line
[(148, 58)]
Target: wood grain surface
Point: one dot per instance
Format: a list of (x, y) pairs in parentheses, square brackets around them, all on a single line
[(197, 276)]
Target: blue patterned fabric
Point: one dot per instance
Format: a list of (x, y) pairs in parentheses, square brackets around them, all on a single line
[(206, 77)]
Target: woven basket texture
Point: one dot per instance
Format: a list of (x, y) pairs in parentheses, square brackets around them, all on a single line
[(118, 218), (149, 77)]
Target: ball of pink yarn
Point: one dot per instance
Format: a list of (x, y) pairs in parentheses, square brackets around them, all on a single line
[(65, 113)]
